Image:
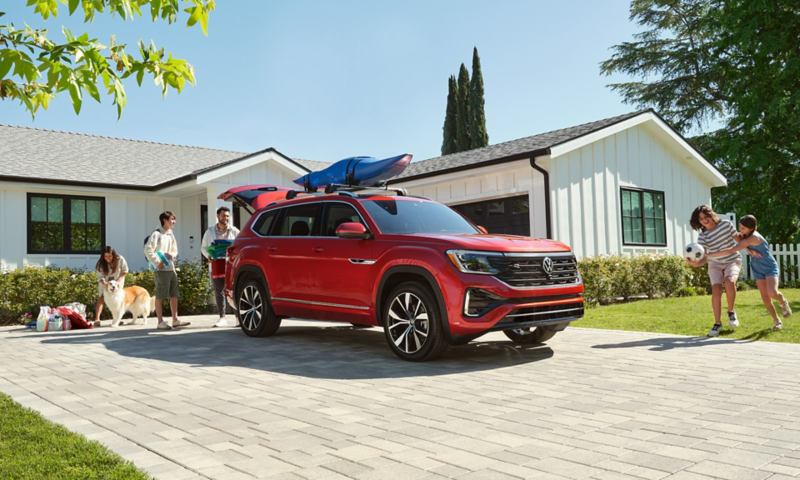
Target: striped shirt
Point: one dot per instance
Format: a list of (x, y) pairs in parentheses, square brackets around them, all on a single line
[(720, 238)]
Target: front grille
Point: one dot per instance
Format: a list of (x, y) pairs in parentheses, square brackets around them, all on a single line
[(544, 312), (523, 271)]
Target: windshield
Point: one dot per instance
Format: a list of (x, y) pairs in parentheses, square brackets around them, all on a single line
[(400, 217)]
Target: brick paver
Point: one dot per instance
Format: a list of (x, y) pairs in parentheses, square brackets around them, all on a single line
[(322, 400)]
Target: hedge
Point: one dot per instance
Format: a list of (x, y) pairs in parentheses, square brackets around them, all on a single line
[(25, 290), (609, 277)]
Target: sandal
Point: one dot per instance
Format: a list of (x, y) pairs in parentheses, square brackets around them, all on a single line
[(786, 311), (778, 325)]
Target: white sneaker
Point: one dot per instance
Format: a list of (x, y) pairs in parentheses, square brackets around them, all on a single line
[(786, 311), (733, 321), (715, 330), (164, 326), (221, 323)]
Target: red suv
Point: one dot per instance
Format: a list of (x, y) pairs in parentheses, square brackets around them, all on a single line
[(417, 268)]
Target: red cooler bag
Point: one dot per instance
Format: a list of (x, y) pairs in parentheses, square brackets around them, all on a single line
[(218, 268)]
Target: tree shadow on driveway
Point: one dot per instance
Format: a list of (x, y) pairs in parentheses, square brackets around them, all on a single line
[(330, 352)]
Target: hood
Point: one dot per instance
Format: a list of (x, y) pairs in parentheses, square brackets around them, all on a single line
[(500, 243)]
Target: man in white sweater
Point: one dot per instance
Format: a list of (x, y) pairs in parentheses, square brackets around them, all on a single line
[(222, 230), (166, 278)]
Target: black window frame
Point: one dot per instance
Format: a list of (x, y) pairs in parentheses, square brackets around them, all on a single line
[(67, 219), (622, 216)]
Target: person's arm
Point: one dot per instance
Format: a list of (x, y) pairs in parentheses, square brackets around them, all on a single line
[(740, 246), (151, 248), (204, 244), (123, 268)]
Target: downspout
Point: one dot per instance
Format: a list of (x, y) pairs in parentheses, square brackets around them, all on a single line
[(546, 195)]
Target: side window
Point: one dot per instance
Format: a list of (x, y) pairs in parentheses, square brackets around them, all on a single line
[(337, 214), (263, 226), (299, 220)]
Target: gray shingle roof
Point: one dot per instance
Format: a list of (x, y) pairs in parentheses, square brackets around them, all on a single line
[(54, 156), (312, 165), (540, 142)]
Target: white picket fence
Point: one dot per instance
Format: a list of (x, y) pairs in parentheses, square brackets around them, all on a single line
[(788, 258)]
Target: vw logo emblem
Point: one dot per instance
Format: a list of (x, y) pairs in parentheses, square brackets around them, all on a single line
[(515, 266), (547, 265)]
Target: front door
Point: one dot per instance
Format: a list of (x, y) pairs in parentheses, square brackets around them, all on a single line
[(343, 275)]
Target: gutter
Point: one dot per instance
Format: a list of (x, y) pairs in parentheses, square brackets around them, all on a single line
[(546, 176)]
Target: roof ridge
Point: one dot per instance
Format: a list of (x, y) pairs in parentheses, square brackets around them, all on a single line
[(634, 113), (118, 138)]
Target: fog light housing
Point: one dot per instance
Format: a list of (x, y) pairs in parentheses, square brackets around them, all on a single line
[(478, 302)]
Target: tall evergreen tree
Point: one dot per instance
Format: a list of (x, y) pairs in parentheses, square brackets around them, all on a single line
[(478, 134), (463, 139), (449, 128)]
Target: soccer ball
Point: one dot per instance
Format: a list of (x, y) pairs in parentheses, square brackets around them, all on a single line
[(694, 252)]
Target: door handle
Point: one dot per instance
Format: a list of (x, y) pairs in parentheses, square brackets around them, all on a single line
[(272, 249), (319, 249)]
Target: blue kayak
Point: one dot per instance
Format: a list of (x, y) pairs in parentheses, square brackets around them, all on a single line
[(357, 171)]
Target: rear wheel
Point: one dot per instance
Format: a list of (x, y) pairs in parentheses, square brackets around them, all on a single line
[(254, 311), (412, 323), (527, 336)]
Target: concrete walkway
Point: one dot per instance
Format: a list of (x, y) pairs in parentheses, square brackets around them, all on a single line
[(321, 400)]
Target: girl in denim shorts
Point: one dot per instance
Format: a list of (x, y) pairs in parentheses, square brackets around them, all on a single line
[(763, 266)]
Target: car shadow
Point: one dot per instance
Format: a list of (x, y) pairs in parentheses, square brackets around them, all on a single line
[(669, 343), (337, 352)]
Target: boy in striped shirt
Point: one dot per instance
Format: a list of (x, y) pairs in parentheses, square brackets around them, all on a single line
[(717, 235)]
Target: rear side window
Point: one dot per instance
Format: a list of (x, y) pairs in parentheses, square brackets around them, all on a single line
[(337, 214), (299, 220), (263, 226)]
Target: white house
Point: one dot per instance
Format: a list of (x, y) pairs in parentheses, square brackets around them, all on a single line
[(65, 195), (626, 184), (621, 185)]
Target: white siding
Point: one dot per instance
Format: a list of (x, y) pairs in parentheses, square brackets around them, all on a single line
[(586, 185), (513, 179)]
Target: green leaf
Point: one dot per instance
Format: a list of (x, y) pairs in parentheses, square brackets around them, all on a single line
[(5, 64), (73, 5), (75, 94)]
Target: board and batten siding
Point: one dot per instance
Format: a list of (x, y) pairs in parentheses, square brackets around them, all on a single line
[(585, 189), (488, 183)]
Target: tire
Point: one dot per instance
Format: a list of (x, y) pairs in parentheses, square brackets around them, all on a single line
[(254, 310), (526, 336), (413, 324)]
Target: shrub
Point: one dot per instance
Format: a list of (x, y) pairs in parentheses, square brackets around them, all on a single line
[(686, 291), (25, 290), (700, 291)]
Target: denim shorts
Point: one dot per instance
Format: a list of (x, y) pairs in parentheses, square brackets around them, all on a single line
[(761, 269)]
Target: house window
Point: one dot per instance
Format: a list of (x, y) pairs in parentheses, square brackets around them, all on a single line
[(643, 219), (63, 224)]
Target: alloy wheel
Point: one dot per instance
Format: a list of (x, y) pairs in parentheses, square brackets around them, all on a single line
[(251, 306), (408, 323)]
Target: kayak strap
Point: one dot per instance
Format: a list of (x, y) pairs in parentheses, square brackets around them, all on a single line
[(307, 184), (350, 172)]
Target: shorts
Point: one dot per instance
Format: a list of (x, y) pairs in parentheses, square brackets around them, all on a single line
[(761, 270), (717, 272), (101, 289), (166, 284)]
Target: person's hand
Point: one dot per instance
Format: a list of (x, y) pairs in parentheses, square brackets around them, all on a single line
[(169, 257), (160, 266), (697, 263), (753, 253)]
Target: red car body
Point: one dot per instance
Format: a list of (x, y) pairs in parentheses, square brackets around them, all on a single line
[(350, 276)]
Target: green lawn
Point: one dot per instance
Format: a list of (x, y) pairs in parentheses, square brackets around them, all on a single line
[(694, 316), (34, 448)]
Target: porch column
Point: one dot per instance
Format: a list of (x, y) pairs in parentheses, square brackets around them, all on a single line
[(211, 198)]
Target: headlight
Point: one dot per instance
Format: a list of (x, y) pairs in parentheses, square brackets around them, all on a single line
[(474, 262)]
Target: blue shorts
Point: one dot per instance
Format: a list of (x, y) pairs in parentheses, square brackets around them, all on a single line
[(761, 270)]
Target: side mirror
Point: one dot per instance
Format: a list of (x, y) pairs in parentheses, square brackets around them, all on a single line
[(353, 230), (483, 230)]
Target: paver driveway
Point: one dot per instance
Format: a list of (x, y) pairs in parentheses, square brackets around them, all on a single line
[(326, 401)]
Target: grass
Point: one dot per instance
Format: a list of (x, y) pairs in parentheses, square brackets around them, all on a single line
[(694, 316), (33, 447)]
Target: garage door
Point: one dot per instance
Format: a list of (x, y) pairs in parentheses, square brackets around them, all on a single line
[(504, 215)]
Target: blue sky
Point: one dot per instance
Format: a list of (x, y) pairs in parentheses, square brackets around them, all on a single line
[(325, 80)]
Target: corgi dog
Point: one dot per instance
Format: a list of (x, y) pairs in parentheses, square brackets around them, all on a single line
[(131, 299)]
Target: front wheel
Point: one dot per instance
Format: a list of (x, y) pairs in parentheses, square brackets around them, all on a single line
[(527, 336), (412, 323), (254, 311)]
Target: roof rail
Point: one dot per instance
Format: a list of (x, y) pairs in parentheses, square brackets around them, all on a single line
[(337, 187)]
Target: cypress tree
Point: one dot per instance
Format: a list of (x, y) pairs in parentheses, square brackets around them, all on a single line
[(463, 140), (449, 128), (478, 135)]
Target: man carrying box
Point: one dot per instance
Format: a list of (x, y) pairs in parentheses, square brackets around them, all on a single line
[(222, 230)]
